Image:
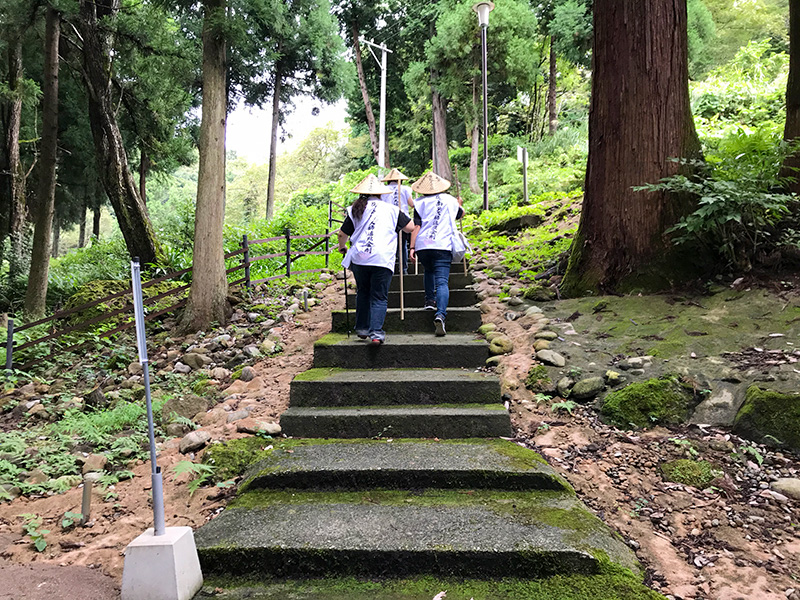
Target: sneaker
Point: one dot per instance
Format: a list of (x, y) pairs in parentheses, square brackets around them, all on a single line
[(375, 341), (362, 334), (439, 324), (430, 305)]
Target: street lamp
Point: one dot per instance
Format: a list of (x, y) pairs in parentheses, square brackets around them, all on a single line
[(483, 9)]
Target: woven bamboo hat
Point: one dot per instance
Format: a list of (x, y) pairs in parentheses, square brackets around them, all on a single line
[(395, 175), (430, 183), (371, 186)]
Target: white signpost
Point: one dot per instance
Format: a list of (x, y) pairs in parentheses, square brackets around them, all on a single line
[(522, 156)]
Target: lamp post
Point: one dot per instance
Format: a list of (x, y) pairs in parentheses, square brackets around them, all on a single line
[(483, 9)]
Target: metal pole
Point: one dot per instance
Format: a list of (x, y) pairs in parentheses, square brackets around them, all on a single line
[(400, 264), (141, 345), (382, 134), (485, 122), (10, 345), (346, 307)]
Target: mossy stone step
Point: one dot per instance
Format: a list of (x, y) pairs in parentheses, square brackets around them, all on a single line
[(342, 387), (416, 298), (459, 320), (384, 533), (464, 421), (404, 464), (401, 351), (415, 282)]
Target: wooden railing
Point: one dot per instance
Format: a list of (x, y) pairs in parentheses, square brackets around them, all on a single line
[(285, 270)]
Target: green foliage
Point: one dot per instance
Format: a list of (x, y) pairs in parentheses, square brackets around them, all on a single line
[(702, 35), (653, 402), (696, 473), (201, 473), (70, 519), (737, 208), (566, 406), (30, 527), (538, 379)]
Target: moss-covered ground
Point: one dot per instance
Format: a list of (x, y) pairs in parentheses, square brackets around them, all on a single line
[(696, 473), (769, 417), (661, 401)]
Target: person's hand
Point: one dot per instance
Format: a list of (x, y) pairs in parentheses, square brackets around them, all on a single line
[(412, 255), (343, 250), (460, 201)]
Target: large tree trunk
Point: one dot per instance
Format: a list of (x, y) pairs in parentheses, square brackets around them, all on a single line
[(273, 145), (14, 173), (362, 82), (56, 245), (639, 120), (112, 160), (441, 159), (791, 132), (82, 225), (144, 167), (552, 112), (209, 292), (96, 223), (36, 293)]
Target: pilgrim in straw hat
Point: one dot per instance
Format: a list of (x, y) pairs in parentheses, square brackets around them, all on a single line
[(395, 175), (430, 184), (371, 186)]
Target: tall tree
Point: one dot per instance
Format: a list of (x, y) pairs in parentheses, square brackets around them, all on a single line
[(208, 295), (308, 61), (790, 170), (639, 120), (36, 293), (111, 155)]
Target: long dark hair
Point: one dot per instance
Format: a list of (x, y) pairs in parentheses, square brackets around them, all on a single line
[(359, 206)]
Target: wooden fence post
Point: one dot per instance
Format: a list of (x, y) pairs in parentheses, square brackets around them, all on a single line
[(10, 345), (246, 261), (288, 235)]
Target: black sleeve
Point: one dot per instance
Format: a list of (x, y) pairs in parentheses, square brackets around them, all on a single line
[(402, 220), (348, 227), (417, 219), (460, 213)]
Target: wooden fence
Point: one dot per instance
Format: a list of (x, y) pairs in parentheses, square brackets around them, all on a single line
[(287, 254)]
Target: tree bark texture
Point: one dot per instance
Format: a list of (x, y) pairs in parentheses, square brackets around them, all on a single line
[(209, 291), (273, 144), (14, 209), (82, 226), (112, 159), (362, 82), (640, 118), (56, 245), (36, 292), (144, 167), (96, 223), (791, 164), (552, 111), (439, 111)]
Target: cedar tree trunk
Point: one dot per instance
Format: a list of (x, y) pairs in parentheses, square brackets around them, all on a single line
[(791, 132), (362, 82), (82, 230), (14, 172), (56, 246), (439, 110), (209, 292), (112, 160), (552, 112), (36, 292), (639, 119), (273, 145), (96, 223)]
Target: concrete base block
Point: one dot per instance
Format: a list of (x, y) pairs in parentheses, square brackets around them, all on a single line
[(164, 567)]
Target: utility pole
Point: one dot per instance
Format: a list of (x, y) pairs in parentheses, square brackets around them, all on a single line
[(382, 134)]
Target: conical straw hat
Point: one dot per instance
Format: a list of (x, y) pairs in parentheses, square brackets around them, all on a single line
[(371, 186), (395, 175), (430, 183)]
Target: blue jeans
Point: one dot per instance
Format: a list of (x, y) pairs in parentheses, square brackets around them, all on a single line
[(437, 273), (372, 298)]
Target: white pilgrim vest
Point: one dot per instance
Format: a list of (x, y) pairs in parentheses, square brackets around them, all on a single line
[(374, 241), (399, 196), (438, 214)]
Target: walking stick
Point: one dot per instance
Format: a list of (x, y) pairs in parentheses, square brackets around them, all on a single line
[(461, 222), (400, 263), (346, 306)]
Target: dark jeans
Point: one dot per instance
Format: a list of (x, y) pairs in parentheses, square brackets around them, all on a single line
[(437, 273), (372, 298), (404, 244)]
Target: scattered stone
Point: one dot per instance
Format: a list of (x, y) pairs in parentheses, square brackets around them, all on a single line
[(94, 462), (183, 406), (37, 411), (220, 373), (248, 374), (486, 328), (756, 418), (514, 301), (135, 368), (195, 360), (541, 345), (550, 357), (494, 361), (237, 415), (267, 347), (36, 477), (254, 426), (194, 441), (533, 310), (486, 307), (12, 490), (588, 388), (564, 386), (787, 486), (501, 345), (96, 399), (546, 335), (645, 404), (177, 429), (182, 368), (251, 351), (612, 378)]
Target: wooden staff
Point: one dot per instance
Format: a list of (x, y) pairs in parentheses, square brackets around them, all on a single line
[(400, 268), (461, 221)]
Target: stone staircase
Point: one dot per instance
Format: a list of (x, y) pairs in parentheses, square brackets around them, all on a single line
[(396, 467)]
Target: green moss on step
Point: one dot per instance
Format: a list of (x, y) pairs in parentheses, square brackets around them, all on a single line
[(318, 374), (770, 417), (696, 473), (330, 339), (232, 458), (653, 402)]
